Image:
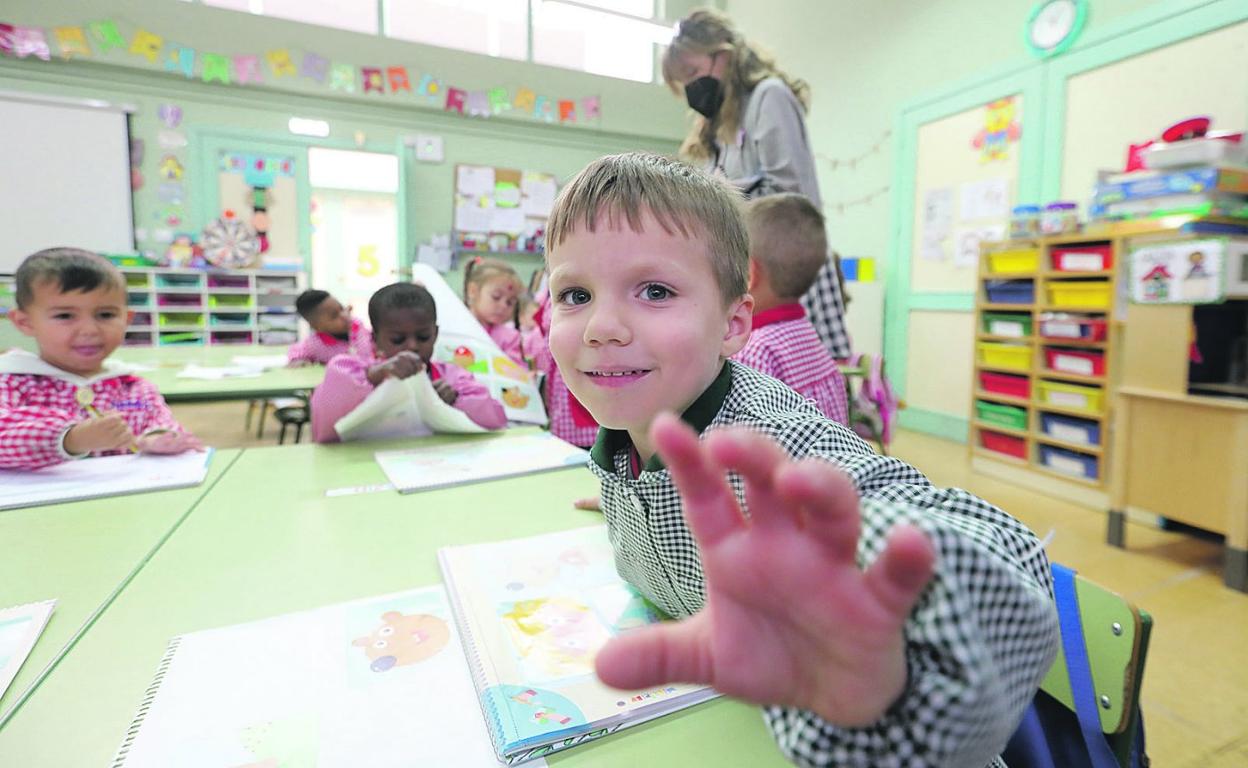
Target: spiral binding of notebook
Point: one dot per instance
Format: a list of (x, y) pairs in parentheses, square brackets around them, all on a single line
[(149, 696)]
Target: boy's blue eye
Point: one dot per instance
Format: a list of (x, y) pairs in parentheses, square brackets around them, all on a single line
[(574, 296), (656, 292)]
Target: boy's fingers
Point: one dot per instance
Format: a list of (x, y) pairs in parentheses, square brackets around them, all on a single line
[(710, 506), (829, 504), (593, 503), (902, 571), (650, 656), (756, 459)]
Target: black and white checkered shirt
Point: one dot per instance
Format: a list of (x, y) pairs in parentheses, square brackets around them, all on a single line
[(979, 641), (825, 306)]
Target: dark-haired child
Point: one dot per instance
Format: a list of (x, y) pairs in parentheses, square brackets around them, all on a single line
[(334, 331)]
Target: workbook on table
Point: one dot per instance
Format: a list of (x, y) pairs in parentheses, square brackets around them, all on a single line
[(20, 627), (532, 614), (103, 476), (408, 407), (379, 682), (487, 457)]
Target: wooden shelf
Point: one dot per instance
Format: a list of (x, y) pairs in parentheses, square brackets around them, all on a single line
[(1082, 480), (1046, 408), (997, 455), (1005, 307), (1006, 399), (1095, 450), (1060, 274), (997, 369), (1007, 275), (1003, 430), (1083, 310), (994, 337), (1045, 373), (1050, 341)]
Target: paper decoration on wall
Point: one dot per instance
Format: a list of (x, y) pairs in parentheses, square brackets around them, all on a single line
[(136, 179), (985, 199), (100, 37), (366, 262), (865, 199), (967, 241), (257, 170), (71, 41), (1185, 272), (171, 192), (170, 115), (170, 169), (138, 149), (852, 161), (999, 131), (171, 139)]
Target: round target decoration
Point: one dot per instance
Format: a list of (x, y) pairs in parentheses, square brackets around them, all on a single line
[(230, 243)]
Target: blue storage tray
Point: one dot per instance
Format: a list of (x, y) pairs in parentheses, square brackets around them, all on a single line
[(1064, 427), (1069, 462), (1011, 291)]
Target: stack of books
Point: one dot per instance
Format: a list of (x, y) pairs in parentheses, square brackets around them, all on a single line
[(1193, 191)]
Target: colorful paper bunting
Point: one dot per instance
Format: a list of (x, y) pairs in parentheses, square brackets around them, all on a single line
[(106, 34), (567, 111), (455, 98), (373, 80), (215, 67), (181, 58), (315, 66), (147, 45), (398, 79), (71, 41), (247, 69), (342, 78), (280, 62), (30, 41)]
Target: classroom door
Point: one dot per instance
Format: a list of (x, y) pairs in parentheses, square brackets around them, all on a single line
[(355, 223)]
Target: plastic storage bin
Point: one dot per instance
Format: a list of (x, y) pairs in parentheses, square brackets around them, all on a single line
[(181, 318), (1059, 218), (229, 301), (1005, 384), (1011, 291), (1083, 258), (236, 282), (1024, 222), (1059, 325), (1017, 260), (1001, 415), (178, 299), (179, 281), (1069, 429), (1007, 444), (1079, 294), (1007, 324), (1077, 361), (1012, 357), (1072, 396), (1069, 462)]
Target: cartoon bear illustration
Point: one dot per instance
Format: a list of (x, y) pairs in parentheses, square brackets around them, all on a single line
[(403, 640)]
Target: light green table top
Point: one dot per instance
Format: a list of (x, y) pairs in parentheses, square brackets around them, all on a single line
[(81, 553), (266, 541), (167, 361)]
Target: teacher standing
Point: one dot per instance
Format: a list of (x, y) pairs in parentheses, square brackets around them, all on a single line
[(751, 128)]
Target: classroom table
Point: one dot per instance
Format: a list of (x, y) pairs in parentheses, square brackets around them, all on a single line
[(267, 541), (166, 362), (82, 553)]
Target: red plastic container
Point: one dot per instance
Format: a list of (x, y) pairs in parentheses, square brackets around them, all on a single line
[(1075, 327), (1007, 444), (1004, 384), (1076, 361), (1083, 258)]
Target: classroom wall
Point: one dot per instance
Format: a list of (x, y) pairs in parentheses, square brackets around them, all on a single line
[(634, 115)]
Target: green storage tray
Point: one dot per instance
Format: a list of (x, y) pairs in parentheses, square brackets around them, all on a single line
[(1001, 415), (1021, 323)]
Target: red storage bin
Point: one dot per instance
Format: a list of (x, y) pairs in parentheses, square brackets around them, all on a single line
[(1007, 444), (1062, 326), (1004, 384), (1083, 258), (1078, 361)]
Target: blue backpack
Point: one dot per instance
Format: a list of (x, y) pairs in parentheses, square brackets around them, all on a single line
[(1050, 735)]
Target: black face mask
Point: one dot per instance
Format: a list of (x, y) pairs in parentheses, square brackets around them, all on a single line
[(705, 95)]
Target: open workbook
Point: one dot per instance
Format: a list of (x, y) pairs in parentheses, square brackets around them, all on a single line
[(103, 476), (379, 682), (532, 614), (478, 458)]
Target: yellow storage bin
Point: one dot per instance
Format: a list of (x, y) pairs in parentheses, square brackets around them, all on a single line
[(1079, 294), (1072, 396), (1011, 357), (1017, 260)]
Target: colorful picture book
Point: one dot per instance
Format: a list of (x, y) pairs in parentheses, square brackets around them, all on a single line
[(99, 477), (532, 615), (404, 408), (20, 627), (473, 460), (376, 682)]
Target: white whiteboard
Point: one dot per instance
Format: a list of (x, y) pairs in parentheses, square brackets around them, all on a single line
[(65, 181)]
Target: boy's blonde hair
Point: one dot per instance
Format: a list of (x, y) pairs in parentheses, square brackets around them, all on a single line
[(707, 31), (682, 199), (787, 240)]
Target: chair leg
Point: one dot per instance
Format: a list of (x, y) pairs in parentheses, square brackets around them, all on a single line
[(299, 432), (264, 414), (1116, 530), (251, 408), (281, 436)]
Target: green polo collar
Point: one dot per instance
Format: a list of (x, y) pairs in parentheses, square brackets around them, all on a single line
[(699, 415)]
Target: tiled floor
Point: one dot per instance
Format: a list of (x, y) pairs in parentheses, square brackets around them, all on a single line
[(1195, 696)]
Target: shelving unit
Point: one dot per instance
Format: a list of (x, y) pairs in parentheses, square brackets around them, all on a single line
[(196, 308), (1040, 425)]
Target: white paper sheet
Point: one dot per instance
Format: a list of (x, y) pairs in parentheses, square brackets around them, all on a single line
[(477, 459), (407, 407), (539, 191), (215, 373), (20, 627), (103, 476), (473, 180), (987, 199)]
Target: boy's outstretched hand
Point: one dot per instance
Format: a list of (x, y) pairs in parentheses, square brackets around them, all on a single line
[(790, 619)]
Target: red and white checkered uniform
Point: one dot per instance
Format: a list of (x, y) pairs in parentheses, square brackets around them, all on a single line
[(38, 405), (321, 347), (346, 385), (785, 346), (569, 420)]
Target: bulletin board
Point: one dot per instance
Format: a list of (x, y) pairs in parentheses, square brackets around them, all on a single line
[(1205, 75), (502, 209), (966, 181)]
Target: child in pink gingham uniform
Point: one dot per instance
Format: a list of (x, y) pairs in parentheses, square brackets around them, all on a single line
[(788, 247), (69, 401), (334, 331), (404, 319), (492, 290)]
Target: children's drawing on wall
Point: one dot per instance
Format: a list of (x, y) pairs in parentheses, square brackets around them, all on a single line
[(257, 203), (937, 222), (1001, 128), (1187, 272)]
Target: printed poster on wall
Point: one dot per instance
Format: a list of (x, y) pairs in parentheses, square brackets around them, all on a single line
[(1182, 272)]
